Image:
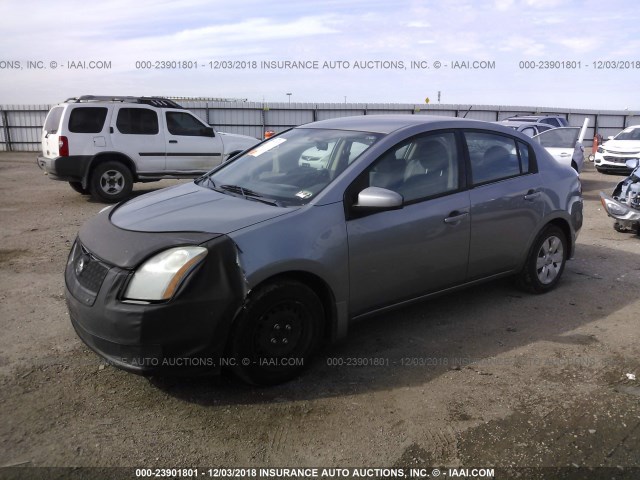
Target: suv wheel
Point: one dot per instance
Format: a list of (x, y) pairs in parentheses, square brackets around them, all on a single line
[(111, 182)]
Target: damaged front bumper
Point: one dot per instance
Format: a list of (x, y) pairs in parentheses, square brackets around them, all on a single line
[(184, 335)]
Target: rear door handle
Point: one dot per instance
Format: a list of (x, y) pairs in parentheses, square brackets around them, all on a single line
[(565, 154), (531, 195), (455, 217), (173, 141)]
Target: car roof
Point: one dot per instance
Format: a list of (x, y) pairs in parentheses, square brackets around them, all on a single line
[(383, 123)]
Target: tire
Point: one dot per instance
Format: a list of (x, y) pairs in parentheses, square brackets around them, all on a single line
[(276, 333), (111, 182), (546, 261), (77, 186)]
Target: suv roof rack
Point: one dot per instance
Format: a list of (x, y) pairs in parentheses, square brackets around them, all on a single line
[(153, 101), (520, 115)]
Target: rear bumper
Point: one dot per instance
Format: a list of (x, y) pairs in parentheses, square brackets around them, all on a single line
[(68, 169)]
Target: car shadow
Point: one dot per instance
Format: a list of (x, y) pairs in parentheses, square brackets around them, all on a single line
[(414, 345)]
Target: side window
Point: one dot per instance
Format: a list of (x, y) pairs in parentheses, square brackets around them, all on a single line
[(421, 167), (52, 123), (565, 137), (493, 157), (551, 121), (184, 124), (523, 151), (87, 119), (137, 121)]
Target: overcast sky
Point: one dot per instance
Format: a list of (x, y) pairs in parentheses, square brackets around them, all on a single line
[(505, 32)]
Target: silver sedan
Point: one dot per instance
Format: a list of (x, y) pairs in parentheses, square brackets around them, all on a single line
[(254, 265)]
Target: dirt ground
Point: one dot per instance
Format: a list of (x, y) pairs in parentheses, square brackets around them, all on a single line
[(488, 377)]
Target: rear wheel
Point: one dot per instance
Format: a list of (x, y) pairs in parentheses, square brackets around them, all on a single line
[(77, 186), (111, 182), (546, 261), (276, 333)]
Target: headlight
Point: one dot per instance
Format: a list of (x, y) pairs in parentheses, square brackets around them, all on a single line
[(613, 208), (600, 150), (159, 277)]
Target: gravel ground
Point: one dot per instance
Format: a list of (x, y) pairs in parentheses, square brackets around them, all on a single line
[(488, 377)]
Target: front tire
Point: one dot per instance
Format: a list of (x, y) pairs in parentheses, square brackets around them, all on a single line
[(546, 261), (276, 333), (111, 182)]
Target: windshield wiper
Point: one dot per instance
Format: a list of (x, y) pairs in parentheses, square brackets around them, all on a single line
[(249, 194)]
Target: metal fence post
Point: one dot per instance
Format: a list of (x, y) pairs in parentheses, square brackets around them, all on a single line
[(7, 131)]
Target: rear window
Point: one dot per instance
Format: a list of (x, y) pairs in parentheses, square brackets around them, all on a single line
[(137, 121), (87, 119), (52, 123)]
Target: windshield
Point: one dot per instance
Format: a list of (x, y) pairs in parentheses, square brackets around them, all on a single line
[(629, 134), (292, 168), (565, 137)]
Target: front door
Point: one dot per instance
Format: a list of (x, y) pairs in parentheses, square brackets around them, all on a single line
[(192, 146), (423, 247)]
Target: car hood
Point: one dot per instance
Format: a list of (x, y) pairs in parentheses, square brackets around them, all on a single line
[(192, 208), (238, 136), (622, 145)]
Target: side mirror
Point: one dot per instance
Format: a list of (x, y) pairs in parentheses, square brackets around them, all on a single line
[(207, 132), (379, 199), (632, 163), (610, 137)]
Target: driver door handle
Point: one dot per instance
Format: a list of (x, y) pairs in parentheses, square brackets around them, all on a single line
[(173, 141), (455, 217)]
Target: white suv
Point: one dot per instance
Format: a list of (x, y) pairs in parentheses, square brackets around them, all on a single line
[(102, 145)]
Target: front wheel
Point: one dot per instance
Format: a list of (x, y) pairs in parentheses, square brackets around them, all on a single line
[(276, 333), (111, 182), (545, 262)]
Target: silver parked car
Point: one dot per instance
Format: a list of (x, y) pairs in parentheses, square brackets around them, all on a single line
[(258, 262)]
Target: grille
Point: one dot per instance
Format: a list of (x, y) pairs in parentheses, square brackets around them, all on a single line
[(89, 271), (617, 159)]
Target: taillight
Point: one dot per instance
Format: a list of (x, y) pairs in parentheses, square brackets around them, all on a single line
[(63, 146)]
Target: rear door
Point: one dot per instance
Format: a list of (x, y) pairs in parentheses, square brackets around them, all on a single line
[(135, 131), (565, 144), (506, 202), (192, 146)]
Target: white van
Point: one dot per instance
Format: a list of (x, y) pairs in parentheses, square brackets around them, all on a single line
[(102, 145)]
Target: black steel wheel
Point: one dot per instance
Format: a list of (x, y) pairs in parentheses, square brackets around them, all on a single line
[(276, 334)]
